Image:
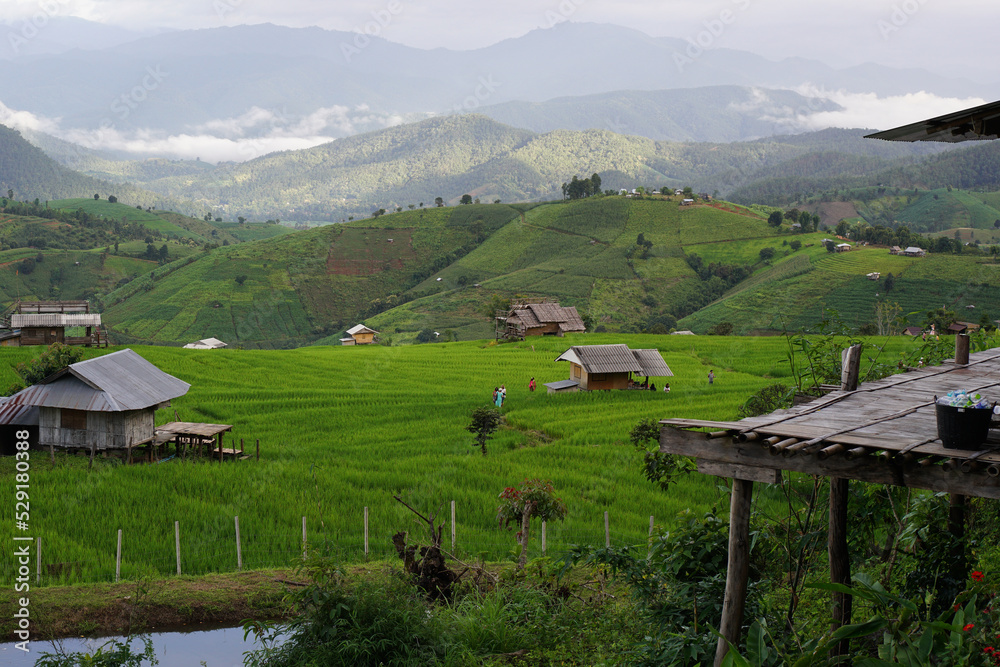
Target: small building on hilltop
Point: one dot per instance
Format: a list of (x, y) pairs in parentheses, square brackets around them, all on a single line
[(914, 251), (359, 335), (542, 317), (45, 322), (108, 402), (595, 367), (205, 344), (844, 247)]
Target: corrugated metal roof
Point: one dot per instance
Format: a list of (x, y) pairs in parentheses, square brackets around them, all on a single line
[(206, 344), (982, 122), (14, 413), (562, 384), (113, 383), (537, 314), (360, 328), (652, 363), (615, 358), (56, 320)]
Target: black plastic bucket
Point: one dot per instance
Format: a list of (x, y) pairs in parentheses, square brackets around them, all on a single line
[(962, 428)]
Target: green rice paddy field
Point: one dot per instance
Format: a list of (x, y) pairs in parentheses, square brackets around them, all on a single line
[(344, 428)]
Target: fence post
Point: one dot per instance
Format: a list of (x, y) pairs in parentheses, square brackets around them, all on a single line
[(650, 551), (366, 532), (303, 538), (258, 449), (239, 552), (38, 561), (118, 558), (607, 531), (543, 538), (177, 542), (453, 525)]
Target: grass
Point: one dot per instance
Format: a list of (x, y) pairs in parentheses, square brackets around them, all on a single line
[(342, 429)]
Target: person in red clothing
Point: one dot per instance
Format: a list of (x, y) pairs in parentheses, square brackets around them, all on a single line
[(531, 384)]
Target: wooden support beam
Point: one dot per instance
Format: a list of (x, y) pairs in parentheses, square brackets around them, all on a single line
[(751, 473), (866, 469), (840, 559), (738, 570)]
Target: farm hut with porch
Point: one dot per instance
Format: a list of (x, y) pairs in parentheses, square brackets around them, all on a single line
[(538, 318), (595, 367), (104, 403), (45, 322), (359, 334)]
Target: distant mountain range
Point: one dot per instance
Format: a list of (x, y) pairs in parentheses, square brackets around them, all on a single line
[(450, 156), (265, 80)]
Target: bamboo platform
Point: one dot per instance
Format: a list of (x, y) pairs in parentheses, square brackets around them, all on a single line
[(884, 432)]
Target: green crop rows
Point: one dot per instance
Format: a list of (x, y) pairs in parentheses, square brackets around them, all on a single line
[(344, 428)]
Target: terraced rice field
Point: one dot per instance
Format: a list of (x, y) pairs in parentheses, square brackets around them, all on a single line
[(342, 429)]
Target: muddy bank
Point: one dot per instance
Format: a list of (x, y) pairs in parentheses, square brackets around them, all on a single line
[(150, 605)]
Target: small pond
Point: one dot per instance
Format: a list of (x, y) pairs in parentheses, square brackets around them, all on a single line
[(190, 647)]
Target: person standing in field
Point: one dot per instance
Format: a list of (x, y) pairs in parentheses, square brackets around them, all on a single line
[(666, 388), (503, 395), (711, 377), (531, 384), (496, 396)]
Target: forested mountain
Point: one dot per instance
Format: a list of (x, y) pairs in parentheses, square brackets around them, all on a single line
[(451, 156), (969, 167), (709, 113), (31, 174)]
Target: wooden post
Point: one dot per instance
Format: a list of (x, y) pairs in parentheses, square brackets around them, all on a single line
[(543, 538), (258, 449), (52, 453), (118, 558), (962, 349), (956, 526), (177, 542), (840, 560), (241, 446), (239, 552), (738, 569), (649, 552), (366, 532), (453, 525), (836, 546), (607, 531), (220, 448), (38, 560), (304, 538), (93, 448), (850, 367)]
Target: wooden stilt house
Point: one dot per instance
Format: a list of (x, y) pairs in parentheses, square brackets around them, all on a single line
[(595, 367), (108, 402)]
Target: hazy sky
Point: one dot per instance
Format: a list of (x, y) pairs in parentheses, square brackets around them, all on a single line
[(957, 35)]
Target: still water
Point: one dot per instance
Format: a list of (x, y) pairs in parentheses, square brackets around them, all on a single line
[(218, 647)]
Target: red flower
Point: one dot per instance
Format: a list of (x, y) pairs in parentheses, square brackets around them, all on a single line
[(988, 649), (977, 576), (968, 627), (955, 608)]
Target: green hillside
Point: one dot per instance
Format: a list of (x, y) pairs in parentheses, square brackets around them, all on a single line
[(795, 291), (297, 287)]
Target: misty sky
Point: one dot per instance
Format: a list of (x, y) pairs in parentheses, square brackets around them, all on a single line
[(956, 36), (953, 38)]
